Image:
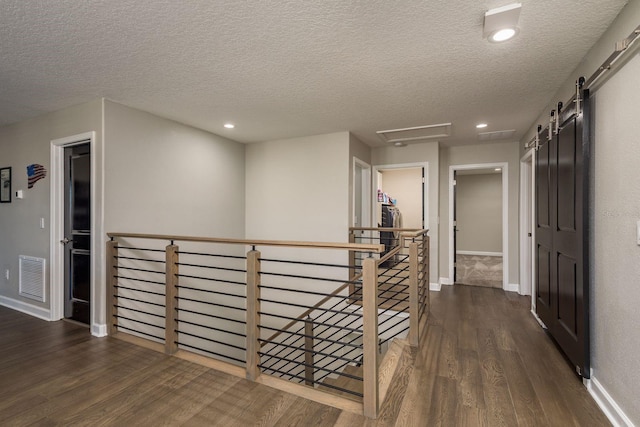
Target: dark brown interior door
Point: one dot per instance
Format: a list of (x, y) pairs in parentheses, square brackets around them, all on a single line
[(77, 238), (562, 282)]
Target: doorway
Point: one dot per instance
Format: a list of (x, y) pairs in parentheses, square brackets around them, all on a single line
[(75, 229), (478, 218), (527, 229), (361, 214), (406, 187)]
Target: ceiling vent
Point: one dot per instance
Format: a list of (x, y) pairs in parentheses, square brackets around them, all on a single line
[(499, 134), (414, 134)]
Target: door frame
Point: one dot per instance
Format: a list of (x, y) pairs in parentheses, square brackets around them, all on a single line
[(425, 186), (365, 221), (56, 273), (527, 222), (505, 218)]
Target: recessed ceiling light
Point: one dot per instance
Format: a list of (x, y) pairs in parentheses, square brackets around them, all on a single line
[(399, 144), (502, 35), (481, 125), (229, 125), (497, 169)]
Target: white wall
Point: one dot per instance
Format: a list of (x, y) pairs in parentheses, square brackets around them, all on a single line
[(22, 144), (405, 185), (163, 177), (412, 153), (479, 154), (297, 189), (479, 212), (615, 266)]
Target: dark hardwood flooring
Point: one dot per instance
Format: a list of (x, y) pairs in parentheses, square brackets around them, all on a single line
[(484, 361)]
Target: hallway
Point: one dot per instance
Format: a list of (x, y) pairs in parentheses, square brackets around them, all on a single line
[(484, 361)]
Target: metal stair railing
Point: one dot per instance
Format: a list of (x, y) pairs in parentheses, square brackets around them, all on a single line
[(293, 313)]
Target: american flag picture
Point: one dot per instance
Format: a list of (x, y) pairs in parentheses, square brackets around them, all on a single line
[(35, 173)]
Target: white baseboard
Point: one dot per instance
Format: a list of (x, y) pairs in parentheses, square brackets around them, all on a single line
[(445, 281), (435, 287), (99, 330), (479, 253), (30, 309), (609, 406), (512, 287), (535, 316)]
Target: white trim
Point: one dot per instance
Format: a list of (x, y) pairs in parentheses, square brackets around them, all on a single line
[(436, 287), (609, 406), (512, 287), (525, 200), (56, 271), (533, 231), (445, 281), (30, 309), (535, 316), (479, 253), (505, 215), (527, 215), (99, 330), (365, 221)]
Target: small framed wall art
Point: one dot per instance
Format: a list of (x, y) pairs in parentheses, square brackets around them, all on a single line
[(5, 185)]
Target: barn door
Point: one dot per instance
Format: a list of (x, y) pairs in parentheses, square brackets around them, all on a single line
[(562, 190)]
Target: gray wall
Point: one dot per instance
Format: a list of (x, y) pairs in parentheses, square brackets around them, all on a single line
[(163, 177), (479, 212), (22, 144), (479, 154), (297, 189), (615, 260)]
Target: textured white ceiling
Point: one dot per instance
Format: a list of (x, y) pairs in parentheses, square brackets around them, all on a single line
[(287, 68)]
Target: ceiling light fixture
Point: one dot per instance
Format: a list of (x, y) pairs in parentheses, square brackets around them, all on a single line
[(229, 125), (481, 125), (399, 144), (501, 24), (497, 169)]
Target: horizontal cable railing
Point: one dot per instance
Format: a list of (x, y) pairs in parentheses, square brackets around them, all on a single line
[(316, 314), (321, 336), (403, 278)]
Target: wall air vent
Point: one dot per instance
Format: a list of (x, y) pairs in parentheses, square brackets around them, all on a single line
[(32, 278), (500, 134), (415, 134)]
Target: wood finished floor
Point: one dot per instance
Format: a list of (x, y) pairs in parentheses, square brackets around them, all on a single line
[(484, 361)]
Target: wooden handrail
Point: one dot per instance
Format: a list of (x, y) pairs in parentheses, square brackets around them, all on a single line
[(408, 230), (364, 247), (416, 233), (389, 254)]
